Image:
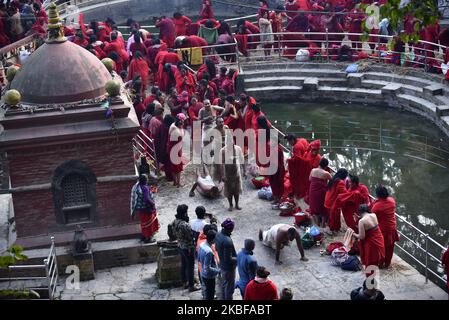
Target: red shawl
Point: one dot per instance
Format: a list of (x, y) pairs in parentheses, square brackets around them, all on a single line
[(372, 248)]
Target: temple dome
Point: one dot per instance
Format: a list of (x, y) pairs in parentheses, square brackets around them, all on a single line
[(60, 72)]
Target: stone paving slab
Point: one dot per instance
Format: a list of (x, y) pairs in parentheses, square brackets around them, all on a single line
[(314, 279)]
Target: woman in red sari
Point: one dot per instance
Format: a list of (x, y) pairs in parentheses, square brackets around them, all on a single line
[(319, 178), (143, 205), (336, 186), (371, 244), (206, 10), (385, 209), (175, 136), (139, 66)]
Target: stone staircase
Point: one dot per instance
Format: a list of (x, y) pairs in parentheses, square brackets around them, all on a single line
[(409, 89)]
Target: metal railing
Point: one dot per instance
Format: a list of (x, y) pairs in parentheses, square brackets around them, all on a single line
[(144, 146), (50, 266), (423, 246)]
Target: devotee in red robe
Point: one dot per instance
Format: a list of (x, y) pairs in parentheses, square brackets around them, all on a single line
[(293, 42), (356, 18), (161, 145), (143, 205), (206, 10), (261, 288), (385, 209), (277, 179), (167, 32), (184, 80), (300, 145), (336, 28), (350, 201), (228, 84), (313, 154), (139, 66), (181, 23), (336, 186), (242, 40), (263, 7), (371, 241), (319, 178)]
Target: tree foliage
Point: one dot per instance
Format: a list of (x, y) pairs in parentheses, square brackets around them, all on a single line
[(13, 255), (425, 11)]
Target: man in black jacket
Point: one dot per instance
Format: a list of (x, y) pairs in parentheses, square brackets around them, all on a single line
[(228, 258)]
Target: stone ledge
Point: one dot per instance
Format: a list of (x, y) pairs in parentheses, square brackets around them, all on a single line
[(391, 89), (442, 111), (310, 84), (434, 90)]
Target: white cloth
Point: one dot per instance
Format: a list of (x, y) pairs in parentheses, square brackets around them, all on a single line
[(269, 236), (197, 225)]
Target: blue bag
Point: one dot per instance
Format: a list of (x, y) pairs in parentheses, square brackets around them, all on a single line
[(352, 68), (352, 263)]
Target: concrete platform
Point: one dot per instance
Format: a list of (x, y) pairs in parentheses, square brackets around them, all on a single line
[(312, 280)]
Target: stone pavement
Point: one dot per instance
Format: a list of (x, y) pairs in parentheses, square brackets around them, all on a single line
[(314, 279)]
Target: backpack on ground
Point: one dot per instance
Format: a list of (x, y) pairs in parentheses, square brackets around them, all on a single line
[(352, 263)]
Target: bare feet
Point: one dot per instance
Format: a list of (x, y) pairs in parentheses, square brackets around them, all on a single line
[(191, 194), (260, 235), (237, 207)]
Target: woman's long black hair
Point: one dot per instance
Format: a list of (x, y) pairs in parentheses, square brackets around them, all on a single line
[(341, 174)]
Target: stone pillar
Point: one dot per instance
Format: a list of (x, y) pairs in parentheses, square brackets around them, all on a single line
[(168, 273), (85, 263)]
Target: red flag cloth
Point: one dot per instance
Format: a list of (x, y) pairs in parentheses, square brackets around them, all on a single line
[(372, 248), (339, 187), (277, 179), (317, 195), (385, 210)]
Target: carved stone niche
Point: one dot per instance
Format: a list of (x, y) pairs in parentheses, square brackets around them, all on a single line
[(74, 193)]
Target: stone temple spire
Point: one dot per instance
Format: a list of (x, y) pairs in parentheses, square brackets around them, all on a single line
[(55, 29)]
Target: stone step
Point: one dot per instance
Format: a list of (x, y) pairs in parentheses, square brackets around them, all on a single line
[(299, 72), (290, 81), (389, 77), (379, 84), (273, 88), (290, 65), (441, 100), (442, 111), (351, 90), (420, 103)]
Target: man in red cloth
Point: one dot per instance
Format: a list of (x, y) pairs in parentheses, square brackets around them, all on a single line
[(184, 80), (385, 209)]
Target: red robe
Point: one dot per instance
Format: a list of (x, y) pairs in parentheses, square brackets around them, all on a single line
[(181, 25), (299, 169), (261, 291), (349, 203), (317, 195), (172, 167), (167, 32), (372, 248), (139, 67), (242, 43), (300, 147), (385, 210), (291, 7), (339, 187), (184, 84), (206, 10), (277, 179)]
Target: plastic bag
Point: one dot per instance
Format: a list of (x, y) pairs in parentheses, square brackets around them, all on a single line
[(265, 193), (302, 55), (352, 68)]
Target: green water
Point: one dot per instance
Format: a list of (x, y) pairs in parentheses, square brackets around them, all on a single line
[(381, 145)]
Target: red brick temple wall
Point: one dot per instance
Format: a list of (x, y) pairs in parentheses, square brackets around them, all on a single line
[(35, 211)]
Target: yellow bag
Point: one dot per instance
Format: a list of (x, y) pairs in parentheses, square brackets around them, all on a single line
[(191, 56)]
